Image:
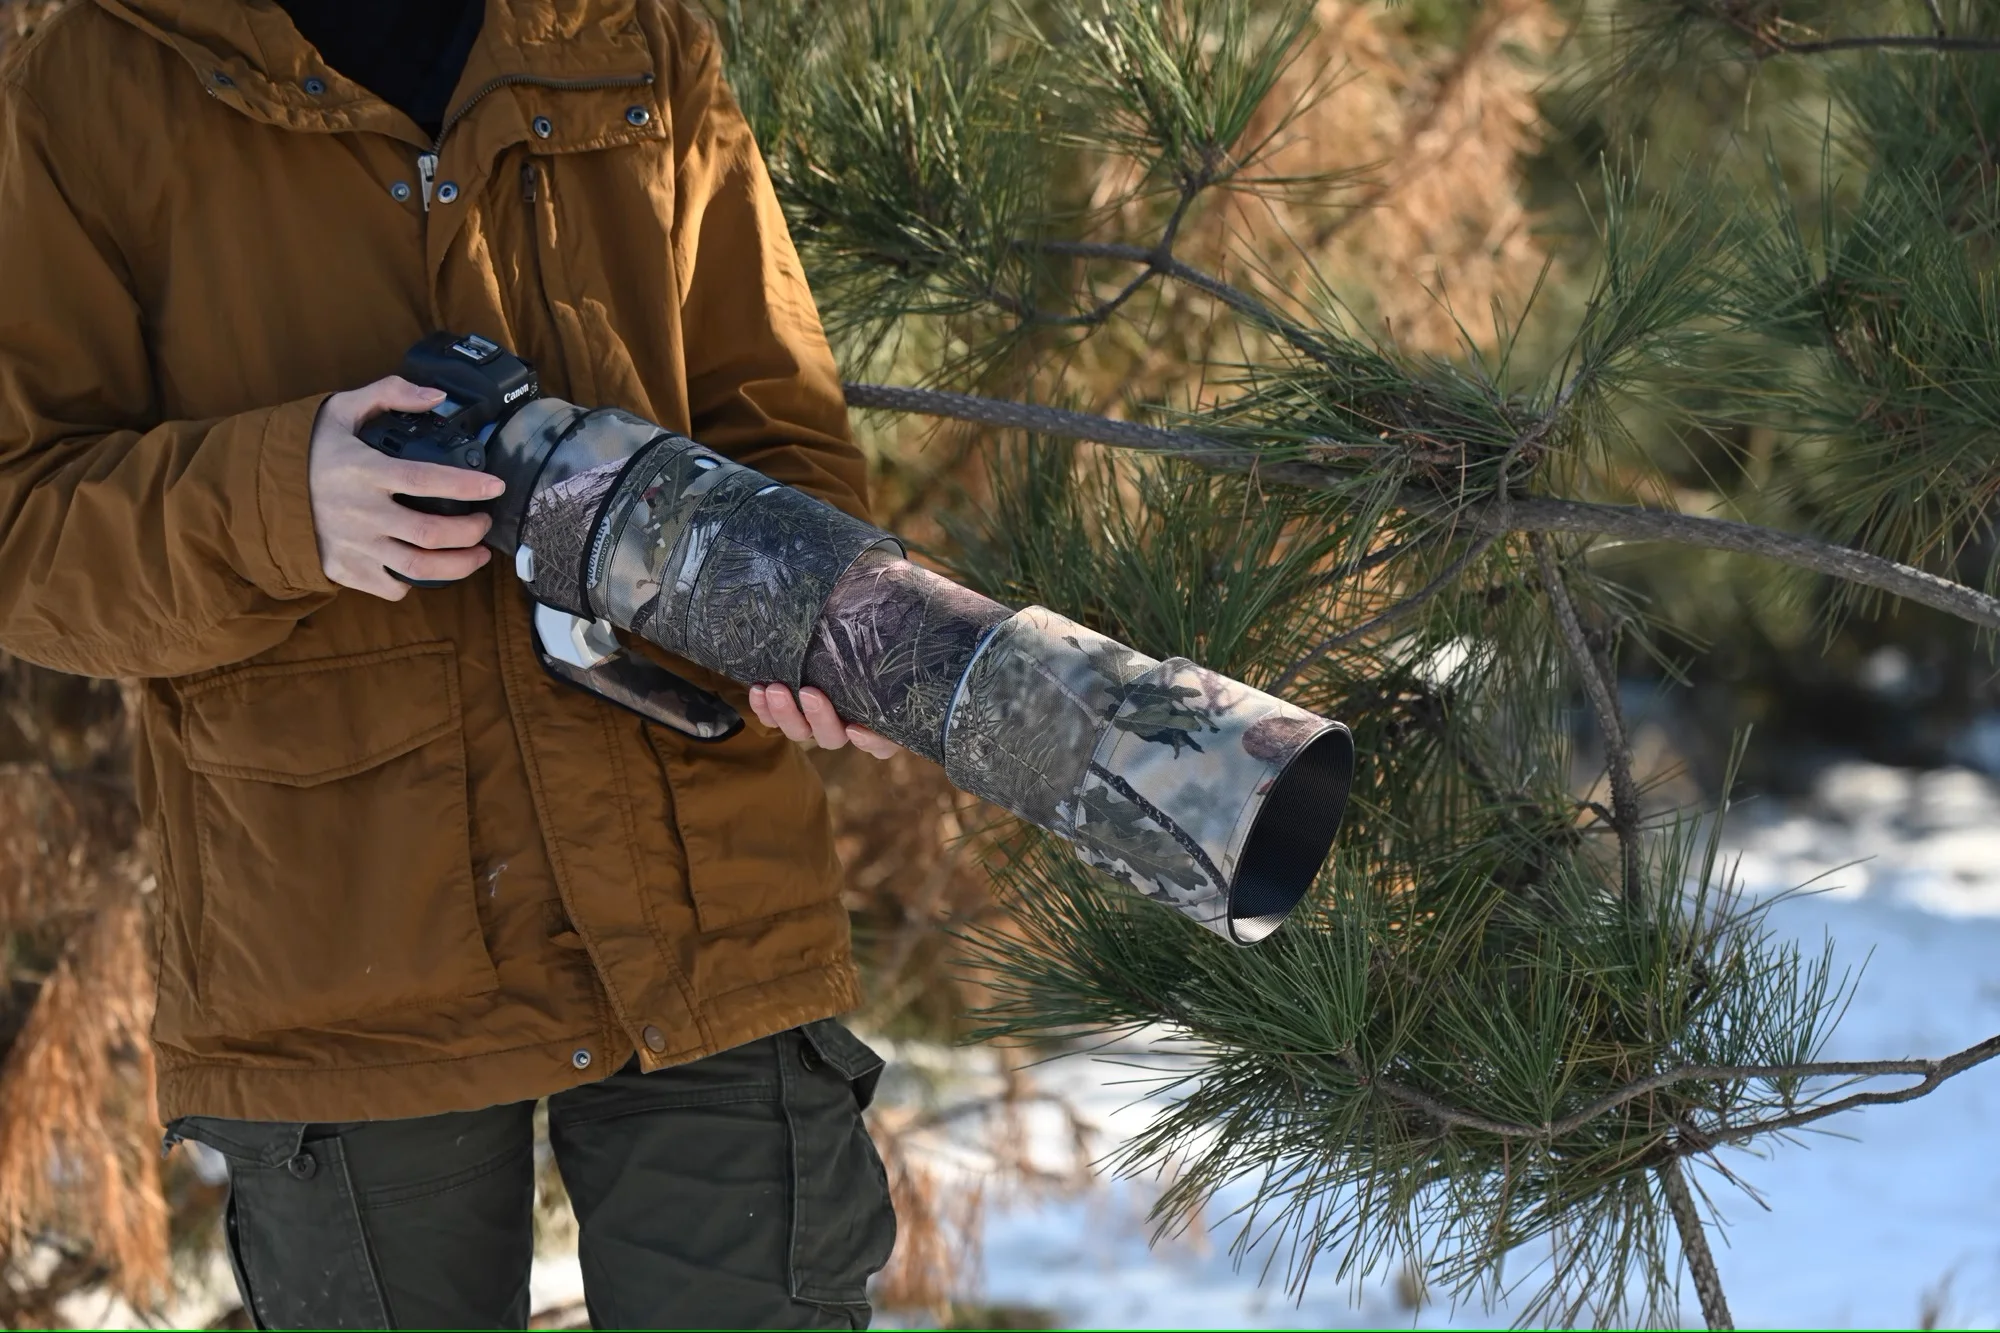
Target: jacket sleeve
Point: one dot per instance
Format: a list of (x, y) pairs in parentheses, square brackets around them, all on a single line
[(762, 385), (127, 547)]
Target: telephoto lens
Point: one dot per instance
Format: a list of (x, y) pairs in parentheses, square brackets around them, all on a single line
[(1193, 789)]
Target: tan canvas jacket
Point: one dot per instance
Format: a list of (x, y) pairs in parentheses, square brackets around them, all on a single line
[(401, 871)]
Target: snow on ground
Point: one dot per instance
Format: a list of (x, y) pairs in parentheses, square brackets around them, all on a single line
[(1891, 1219)]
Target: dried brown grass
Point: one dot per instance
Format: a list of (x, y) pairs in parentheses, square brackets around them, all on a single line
[(77, 1119), (1435, 229), (63, 837), (917, 864), (949, 1162), (81, 1197), (938, 1233)]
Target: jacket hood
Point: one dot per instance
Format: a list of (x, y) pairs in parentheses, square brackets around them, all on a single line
[(250, 56)]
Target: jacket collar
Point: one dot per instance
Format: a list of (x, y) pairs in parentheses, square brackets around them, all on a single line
[(249, 55)]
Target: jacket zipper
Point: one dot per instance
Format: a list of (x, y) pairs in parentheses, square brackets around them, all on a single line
[(427, 162)]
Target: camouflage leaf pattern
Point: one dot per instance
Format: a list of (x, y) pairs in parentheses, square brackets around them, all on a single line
[(561, 526), (649, 515), (1031, 710), (767, 580), (892, 646), (1190, 755), (677, 579)]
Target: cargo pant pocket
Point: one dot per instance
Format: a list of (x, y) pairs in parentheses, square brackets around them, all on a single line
[(843, 1221), (293, 1225)]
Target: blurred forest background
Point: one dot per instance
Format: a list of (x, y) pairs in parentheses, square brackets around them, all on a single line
[(1454, 183)]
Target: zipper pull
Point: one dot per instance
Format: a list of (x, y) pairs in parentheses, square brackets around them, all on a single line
[(527, 182), (427, 170)]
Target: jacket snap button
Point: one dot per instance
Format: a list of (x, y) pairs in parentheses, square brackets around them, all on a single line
[(544, 127), (581, 1059), (314, 87), (223, 80), (809, 1055), (303, 1166), (447, 192), (656, 1041), (637, 115), (400, 191)]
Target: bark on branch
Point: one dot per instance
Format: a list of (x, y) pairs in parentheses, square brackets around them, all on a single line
[(1931, 1074), (1527, 514), (1602, 691), (1694, 1246), (1769, 46)]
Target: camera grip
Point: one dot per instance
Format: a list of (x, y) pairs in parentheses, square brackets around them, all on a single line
[(421, 438)]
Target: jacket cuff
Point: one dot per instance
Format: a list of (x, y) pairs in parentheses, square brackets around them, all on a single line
[(284, 498)]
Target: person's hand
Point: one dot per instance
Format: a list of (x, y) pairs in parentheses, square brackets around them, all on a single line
[(810, 719), (363, 533)]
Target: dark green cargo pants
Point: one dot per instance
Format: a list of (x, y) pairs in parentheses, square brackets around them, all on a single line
[(740, 1191)]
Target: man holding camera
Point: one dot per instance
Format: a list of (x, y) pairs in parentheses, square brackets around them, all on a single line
[(410, 884)]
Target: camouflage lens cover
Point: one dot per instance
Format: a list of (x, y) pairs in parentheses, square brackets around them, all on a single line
[(561, 528), (1031, 709), (713, 500), (584, 461), (768, 575), (1193, 789), (892, 646), (648, 518), (1173, 800)]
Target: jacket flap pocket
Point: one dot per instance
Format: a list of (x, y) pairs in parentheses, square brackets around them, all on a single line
[(303, 723)]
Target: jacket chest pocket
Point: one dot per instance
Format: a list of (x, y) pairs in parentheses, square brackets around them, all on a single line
[(335, 849)]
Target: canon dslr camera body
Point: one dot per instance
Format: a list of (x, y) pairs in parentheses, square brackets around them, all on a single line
[(484, 384)]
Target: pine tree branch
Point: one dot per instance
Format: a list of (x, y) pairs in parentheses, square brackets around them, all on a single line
[(1769, 46), (1821, 557), (1064, 424), (1160, 262), (1603, 694), (1694, 1246), (1601, 685), (1933, 1072), (1503, 498), (1533, 514), (1767, 39)]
